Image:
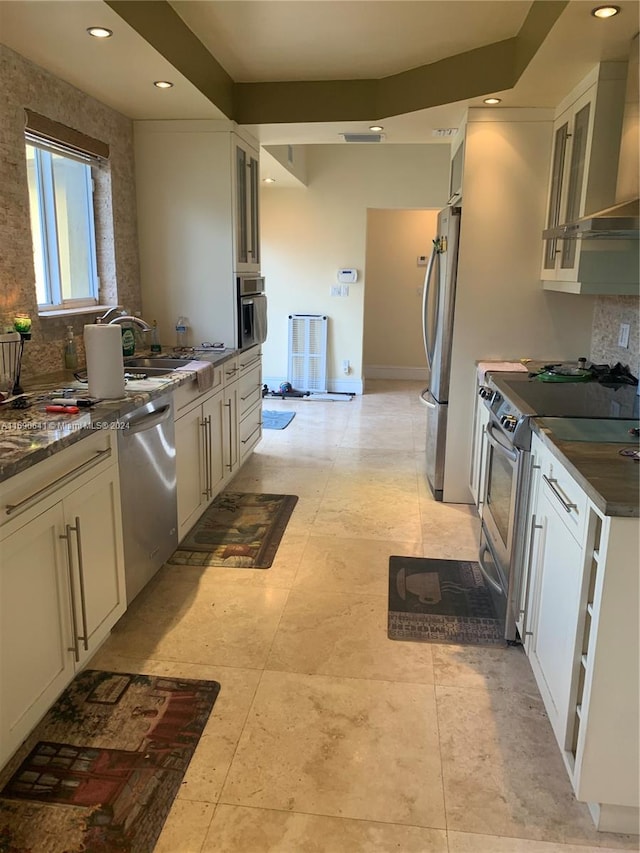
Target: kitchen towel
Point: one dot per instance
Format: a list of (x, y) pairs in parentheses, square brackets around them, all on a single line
[(204, 373), (105, 367)]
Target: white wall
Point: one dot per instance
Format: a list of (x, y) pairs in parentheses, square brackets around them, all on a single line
[(393, 296), (309, 233)]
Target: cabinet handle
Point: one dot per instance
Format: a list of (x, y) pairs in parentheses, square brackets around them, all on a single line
[(551, 483), (532, 533), (249, 363), (247, 440), (83, 599), (249, 396), (41, 493), (207, 465), (229, 464), (210, 443), (231, 372), (72, 594)]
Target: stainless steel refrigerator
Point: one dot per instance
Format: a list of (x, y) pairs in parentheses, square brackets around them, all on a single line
[(438, 303)]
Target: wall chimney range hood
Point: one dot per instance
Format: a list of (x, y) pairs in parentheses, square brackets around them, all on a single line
[(621, 222)]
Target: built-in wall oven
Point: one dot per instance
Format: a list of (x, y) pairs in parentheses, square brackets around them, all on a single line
[(252, 310)]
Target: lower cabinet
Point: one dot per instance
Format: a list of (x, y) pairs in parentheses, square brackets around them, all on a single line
[(583, 640), (215, 433), (61, 579)]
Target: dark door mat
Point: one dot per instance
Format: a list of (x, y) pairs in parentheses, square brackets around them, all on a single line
[(238, 530), (101, 770), (441, 601)]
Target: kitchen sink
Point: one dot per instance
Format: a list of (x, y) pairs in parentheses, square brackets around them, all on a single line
[(167, 363), (147, 371)]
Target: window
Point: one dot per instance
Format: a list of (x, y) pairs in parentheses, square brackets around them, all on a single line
[(62, 226)]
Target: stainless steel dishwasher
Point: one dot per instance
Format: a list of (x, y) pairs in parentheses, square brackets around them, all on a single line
[(147, 463)]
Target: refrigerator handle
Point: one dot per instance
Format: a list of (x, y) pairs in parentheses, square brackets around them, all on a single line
[(425, 301), (425, 401)]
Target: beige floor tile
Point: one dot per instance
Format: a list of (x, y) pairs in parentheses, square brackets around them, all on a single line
[(503, 773), (348, 565), (200, 621), (241, 830), (340, 747), (462, 842), (185, 828), (329, 633), (484, 668)]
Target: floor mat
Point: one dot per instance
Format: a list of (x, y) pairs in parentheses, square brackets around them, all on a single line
[(441, 601), (238, 530), (276, 420), (101, 771)]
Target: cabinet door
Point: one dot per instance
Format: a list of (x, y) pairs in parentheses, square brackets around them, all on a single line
[(94, 529), (190, 471), (247, 183), (561, 136), (35, 626), (558, 570), (230, 430), (212, 413)]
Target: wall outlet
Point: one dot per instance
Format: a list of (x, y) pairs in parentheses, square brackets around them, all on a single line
[(422, 260), (346, 367), (623, 335)]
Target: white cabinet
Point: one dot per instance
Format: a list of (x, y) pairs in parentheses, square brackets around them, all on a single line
[(247, 185), (61, 578), (582, 640), (198, 224), (198, 432), (215, 432), (249, 401), (586, 142)]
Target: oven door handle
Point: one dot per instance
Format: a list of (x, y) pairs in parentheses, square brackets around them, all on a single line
[(485, 572), (509, 452)]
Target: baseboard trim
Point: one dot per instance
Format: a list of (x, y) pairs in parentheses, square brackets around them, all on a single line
[(381, 371)]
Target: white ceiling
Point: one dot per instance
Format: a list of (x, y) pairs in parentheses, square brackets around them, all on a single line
[(268, 40)]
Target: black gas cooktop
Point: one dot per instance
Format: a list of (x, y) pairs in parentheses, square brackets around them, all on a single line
[(590, 399)]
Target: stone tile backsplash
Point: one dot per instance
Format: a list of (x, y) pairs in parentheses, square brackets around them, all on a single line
[(26, 85), (609, 312)]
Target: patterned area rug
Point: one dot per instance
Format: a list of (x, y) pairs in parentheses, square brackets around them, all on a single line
[(276, 420), (441, 601), (101, 771), (240, 530)]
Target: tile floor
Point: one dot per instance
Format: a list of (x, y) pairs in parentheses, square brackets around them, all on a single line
[(327, 737)]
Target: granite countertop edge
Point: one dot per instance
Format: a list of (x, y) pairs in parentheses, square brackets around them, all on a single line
[(596, 470), (53, 433)]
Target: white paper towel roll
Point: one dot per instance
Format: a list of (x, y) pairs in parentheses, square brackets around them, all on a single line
[(105, 368)]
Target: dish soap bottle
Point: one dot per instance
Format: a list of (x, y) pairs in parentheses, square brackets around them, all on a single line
[(128, 341), (70, 351), (155, 343)]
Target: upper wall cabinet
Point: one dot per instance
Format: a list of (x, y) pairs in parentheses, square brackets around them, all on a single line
[(584, 167), (247, 236), (197, 192)]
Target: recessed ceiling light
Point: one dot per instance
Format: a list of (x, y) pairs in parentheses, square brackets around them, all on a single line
[(268, 180), (163, 84), (492, 101), (376, 127), (100, 32), (605, 11)]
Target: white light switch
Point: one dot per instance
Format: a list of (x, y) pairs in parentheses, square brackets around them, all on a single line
[(623, 335)]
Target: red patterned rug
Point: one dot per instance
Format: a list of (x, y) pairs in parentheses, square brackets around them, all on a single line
[(240, 530), (100, 772)]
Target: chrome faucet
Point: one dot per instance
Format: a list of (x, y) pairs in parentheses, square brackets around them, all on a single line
[(129, 318), (123, 317)]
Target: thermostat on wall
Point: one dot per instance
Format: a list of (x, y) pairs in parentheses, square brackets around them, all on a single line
[(349, 276)]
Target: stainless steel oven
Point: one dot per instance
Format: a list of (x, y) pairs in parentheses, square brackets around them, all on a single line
[(508, 469), (252, 310)]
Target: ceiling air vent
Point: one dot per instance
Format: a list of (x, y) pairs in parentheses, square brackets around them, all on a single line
[(363, 137)]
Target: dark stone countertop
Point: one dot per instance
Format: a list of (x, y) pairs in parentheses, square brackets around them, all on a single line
[(611, 481), (27, 436)]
